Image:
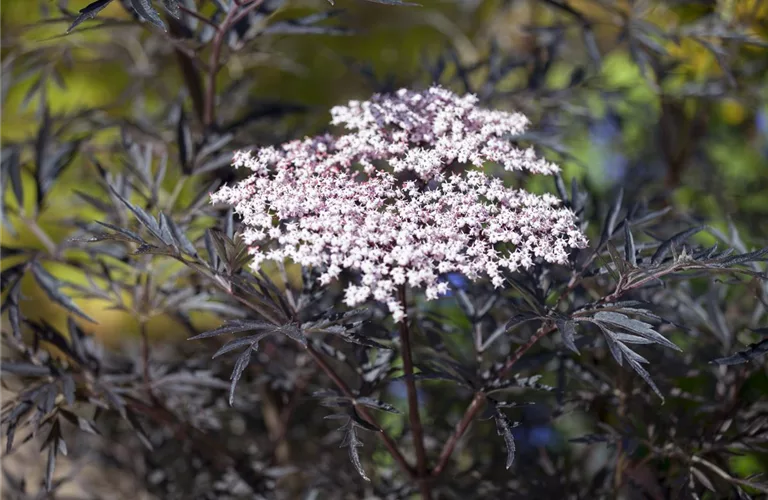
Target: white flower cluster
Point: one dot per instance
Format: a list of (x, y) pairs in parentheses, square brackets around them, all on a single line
[(307, 203)]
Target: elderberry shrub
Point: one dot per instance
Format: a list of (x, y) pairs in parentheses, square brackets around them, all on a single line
[(420, 273)]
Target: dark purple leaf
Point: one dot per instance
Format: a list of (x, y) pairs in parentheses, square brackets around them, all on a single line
[(172, 6), (251, 341), (51, 286), (611, 217), (89, 12), (146, 12), (680, 237), (504, 428), (752, 352), (567, 331), (377, 404), (240, 365), (234, 326), (24, 369)]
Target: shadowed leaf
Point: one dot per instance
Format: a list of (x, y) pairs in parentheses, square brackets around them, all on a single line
[(145, 11), (88, 12), (51, 286)]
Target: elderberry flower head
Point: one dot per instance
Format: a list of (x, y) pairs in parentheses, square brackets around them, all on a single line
[(409, 217)]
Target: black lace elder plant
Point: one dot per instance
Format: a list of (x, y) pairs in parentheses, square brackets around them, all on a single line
[(609, 292), (159, 414), (314, 172)]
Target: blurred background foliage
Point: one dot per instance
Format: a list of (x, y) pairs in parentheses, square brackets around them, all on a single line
[(636, 93)]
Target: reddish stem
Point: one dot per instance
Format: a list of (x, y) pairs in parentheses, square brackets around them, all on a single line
[(413, 400), (232, 17), (362, 410), (477, 402), (474, 407)]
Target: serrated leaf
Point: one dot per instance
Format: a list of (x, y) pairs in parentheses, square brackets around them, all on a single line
[(752, 352), (51, 165), (153, 250), (525, 382), (742, 258), (611, 217), (213, 256), (293, 332), (232, 252), (51, 286), (635, 326), (165, 231), (352, 443), (88, 12), (680, 237), (425, 374), (93, 201), (143, 217), (251, 341), (377, 404), (237, 372), (622, 266), (634, 360), (613, 346), (630, 250), (358, 421), (631, 339), (504, 428), (125, 233), (234, 326), (567, 331), (145, 11), (172, 6), (353, 337), (181, 239)]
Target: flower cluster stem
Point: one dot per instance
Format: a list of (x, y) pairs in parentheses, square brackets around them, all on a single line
[(413, 400)]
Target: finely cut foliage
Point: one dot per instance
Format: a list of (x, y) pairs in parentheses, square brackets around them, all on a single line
[(391, 228), (472, 337)]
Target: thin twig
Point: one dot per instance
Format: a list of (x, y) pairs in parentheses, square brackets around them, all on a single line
[(477, 402), (413, 400), (474, 407), (362, 410), (214, 62), (543, 330)]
